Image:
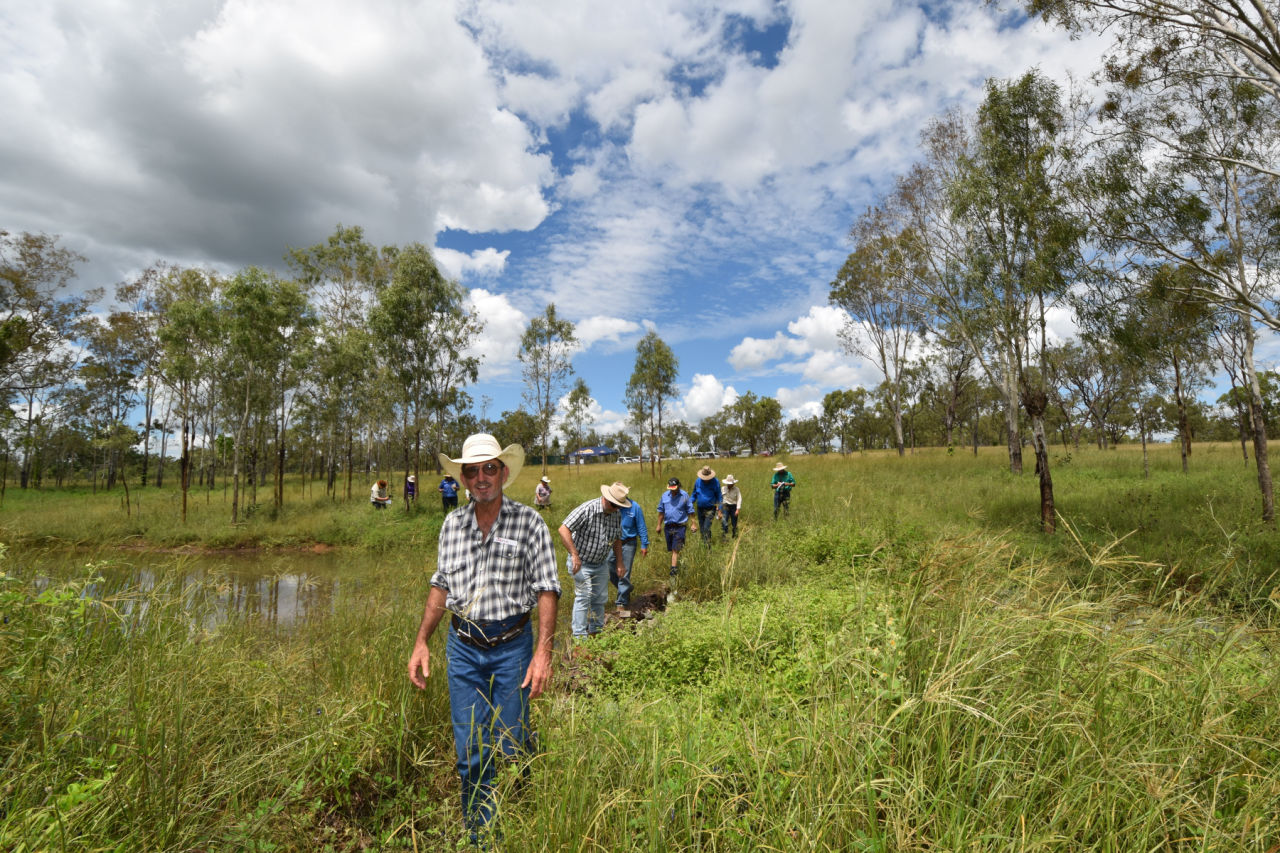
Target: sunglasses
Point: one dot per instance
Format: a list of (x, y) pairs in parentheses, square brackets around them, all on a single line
[(489, 468)]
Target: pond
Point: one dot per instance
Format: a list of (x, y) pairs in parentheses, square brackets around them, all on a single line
[(274, 587)]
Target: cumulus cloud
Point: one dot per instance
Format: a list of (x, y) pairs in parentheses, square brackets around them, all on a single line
[(498, 343), (459, 266), (706, 396), (594, 330)]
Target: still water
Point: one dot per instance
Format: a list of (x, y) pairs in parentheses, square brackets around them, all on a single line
[(275, 588)]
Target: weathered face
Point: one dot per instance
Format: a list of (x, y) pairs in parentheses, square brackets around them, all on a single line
[(485, 480)]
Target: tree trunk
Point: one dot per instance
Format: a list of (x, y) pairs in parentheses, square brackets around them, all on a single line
[(1035, 402), (1184, 427), (1259, 432), (1011, 421)]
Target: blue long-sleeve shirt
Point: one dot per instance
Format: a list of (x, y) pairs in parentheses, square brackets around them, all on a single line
[(675, 506), (707, 492), (633, 525)]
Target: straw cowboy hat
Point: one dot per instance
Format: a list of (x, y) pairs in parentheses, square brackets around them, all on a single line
[(412, 479), (616, 494), (482, 447), (730, 480), (546, 479), (706, 473), (779, 467)]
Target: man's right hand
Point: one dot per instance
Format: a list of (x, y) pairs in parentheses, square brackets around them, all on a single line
[(420, 665)]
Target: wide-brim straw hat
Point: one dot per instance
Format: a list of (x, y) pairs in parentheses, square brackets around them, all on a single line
[(546, 479), (412, 479), (706, 473), (482, 447), (730, 480), (779, 467), (616, 493)]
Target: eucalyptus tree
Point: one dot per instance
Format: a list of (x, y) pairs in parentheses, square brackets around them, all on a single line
[(924, 215), (577, 414), (39, 320), (1218, 39), (758, 421), (265, 320), (546, 358), (341, 276), (425, 328), (839, 409), (651, 386), (874, 288), (110, 376), (949, 384), (1175, 190), (188, 335), (140, 298)]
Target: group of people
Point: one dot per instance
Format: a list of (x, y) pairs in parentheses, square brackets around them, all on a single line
[(496, 566)]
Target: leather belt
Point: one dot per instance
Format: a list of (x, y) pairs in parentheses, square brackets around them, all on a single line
[(473, 633)]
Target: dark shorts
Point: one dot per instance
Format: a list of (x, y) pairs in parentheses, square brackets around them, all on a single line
[(675, 536)]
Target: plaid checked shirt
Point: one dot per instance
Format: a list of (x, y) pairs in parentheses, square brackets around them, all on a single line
[(593, 531), (498, 577)]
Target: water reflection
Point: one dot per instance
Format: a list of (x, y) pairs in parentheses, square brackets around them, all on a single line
[(278, 589)]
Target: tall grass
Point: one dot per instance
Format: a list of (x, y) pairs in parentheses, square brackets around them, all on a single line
[(903, 663)]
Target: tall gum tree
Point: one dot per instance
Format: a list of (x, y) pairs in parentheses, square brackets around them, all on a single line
[(546, 358), (651, 386), (1022, 238)]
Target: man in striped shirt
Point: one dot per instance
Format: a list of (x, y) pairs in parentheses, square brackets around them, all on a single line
[(495, 562), (589, 533)]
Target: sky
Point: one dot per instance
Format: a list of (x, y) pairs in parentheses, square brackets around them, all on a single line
[(686, 167)]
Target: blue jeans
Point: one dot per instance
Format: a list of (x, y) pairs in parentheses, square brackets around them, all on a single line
[(490, 714), (590, 592), (706, 516), (781, 499), (624, 583), (728, 515)]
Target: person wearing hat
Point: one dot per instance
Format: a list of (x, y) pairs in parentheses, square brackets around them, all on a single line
[(706, 498), (542, 493), (634, 532), (410, 489), (449, 493), (729, 507), (589, 534), (495, 563), (674, 508), (782, 484)]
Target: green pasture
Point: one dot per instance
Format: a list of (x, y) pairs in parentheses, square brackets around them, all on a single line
[(905, 663)]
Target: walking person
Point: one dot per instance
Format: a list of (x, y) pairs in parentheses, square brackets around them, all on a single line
[(542, 493), (449, 493), (782, 484), (590, 533), (410, 489), (634, 532), (707, 497), (729, 507), (674, 508), (495, 564)]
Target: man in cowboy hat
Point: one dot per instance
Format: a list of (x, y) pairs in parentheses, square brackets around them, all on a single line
[(674, 508), (448, 493), (707, 497), (542, 493), (589, 533), (782, 484), (729, 507), (495, 563)]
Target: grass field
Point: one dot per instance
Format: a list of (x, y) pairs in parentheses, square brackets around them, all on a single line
[(905, 663)]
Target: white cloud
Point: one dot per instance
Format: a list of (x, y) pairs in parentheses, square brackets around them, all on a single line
[(800, 402), (706, 396), (483, 263), (593, 330), (498, 344)]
